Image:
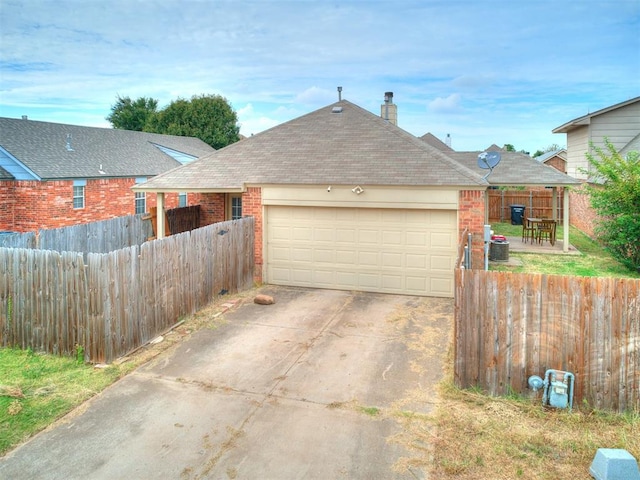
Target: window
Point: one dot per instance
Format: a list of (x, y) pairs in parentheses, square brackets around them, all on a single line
[(182, 199), (78, 193), (141, 202), (236, 207), (140, 198)]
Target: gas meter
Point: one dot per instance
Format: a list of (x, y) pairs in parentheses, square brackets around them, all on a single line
[(558, 388)]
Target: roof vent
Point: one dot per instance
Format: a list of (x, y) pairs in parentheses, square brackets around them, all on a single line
[(69, 147), (336, 110), (24, 117)]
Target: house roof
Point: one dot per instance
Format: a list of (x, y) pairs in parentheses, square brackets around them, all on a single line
[(586, 119), (436, 142), (516, 169), (561, 152), (59, 151), (633, 145), (337, 144)]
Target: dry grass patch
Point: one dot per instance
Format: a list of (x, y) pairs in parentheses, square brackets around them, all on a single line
[(477, 437)]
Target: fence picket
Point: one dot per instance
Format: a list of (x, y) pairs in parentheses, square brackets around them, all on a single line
[(510, 326)]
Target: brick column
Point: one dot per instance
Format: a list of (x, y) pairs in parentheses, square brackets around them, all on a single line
[(471, 215)]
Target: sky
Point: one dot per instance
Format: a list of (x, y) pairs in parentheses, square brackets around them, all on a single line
[(483, 71)]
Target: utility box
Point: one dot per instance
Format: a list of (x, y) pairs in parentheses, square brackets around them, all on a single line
[(517, 214), (614, 464), (499, 251), (558, 388)]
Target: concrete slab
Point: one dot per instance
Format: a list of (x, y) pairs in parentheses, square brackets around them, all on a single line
[(278, 391)]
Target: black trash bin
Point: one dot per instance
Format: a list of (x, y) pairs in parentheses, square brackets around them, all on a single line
[(517, 213)]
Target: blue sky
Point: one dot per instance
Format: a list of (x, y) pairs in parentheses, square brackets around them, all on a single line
[(483, 71)]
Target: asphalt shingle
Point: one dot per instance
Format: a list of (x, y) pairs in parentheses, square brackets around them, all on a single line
[(42, 147)]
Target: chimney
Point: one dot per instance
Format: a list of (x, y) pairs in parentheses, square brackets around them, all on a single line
[(388, 110), (339, 94), (448, 140)]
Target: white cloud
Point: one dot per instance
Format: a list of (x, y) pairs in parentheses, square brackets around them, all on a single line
[(450, 104), (279, 59)]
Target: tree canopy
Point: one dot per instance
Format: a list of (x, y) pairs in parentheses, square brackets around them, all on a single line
[(615, 196), (127, 114), (207, 117)]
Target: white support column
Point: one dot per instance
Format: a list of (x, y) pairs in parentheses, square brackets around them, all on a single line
[(565, 221), (160, 215)]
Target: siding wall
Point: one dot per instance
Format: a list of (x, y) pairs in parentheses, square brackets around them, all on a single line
[(620, 126)]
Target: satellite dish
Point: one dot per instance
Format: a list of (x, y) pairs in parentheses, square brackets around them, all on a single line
[(488, 161)]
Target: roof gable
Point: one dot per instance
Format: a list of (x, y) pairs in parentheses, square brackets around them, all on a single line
[(337, 144), (436, 142), (57, 151), (586, 119)]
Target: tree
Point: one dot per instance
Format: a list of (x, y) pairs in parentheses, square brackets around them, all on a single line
[(207, 117), (615, 196), (132, 115), (551, 148)]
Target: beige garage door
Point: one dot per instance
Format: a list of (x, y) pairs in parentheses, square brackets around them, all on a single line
[(376, 250)]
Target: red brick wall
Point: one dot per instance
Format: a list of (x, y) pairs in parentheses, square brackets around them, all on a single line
[(32, 205), (212, 208), (581, 215), (252, 207), (471, 216)]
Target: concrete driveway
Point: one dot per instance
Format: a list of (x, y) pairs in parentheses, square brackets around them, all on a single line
[(315, 386)]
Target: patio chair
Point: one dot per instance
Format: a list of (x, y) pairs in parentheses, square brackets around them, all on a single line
[(547, 231), (528, 230)]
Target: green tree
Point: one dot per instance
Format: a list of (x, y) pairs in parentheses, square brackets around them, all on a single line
[(207, 117), (127, 114), (551, 148), (615, 196)]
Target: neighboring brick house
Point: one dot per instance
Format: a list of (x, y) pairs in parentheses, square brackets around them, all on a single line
[(620, 123), (345, 199), (556, 159), (54, 175)]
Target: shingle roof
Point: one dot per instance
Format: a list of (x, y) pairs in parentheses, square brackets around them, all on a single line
[(436, 142), (562, 153), (516, 169), (353, 146), (42, 147)]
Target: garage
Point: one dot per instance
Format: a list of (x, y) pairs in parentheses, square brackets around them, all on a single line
[(387, 250)]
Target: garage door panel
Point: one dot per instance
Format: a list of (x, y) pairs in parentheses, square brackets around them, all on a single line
[(382, 250), (346, 235)]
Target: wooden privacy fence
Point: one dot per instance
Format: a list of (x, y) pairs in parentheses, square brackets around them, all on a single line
[(510, 326), (117, 301), (538, 203)]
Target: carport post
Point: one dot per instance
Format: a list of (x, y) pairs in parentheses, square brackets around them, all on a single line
[(160, 215), (565, 220)]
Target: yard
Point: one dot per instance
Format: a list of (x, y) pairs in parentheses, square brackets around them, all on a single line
[(469, 436)]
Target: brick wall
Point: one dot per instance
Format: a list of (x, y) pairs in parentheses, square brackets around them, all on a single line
[(31, 205), (212, 208), (581, 215), (471, 216), (252, 207)]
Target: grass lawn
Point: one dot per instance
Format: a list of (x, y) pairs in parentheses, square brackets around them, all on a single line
[(36, 389), (594, 261)]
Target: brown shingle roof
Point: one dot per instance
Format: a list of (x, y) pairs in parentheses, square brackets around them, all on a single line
[(322, 147), (436, 142), (516, 169)]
